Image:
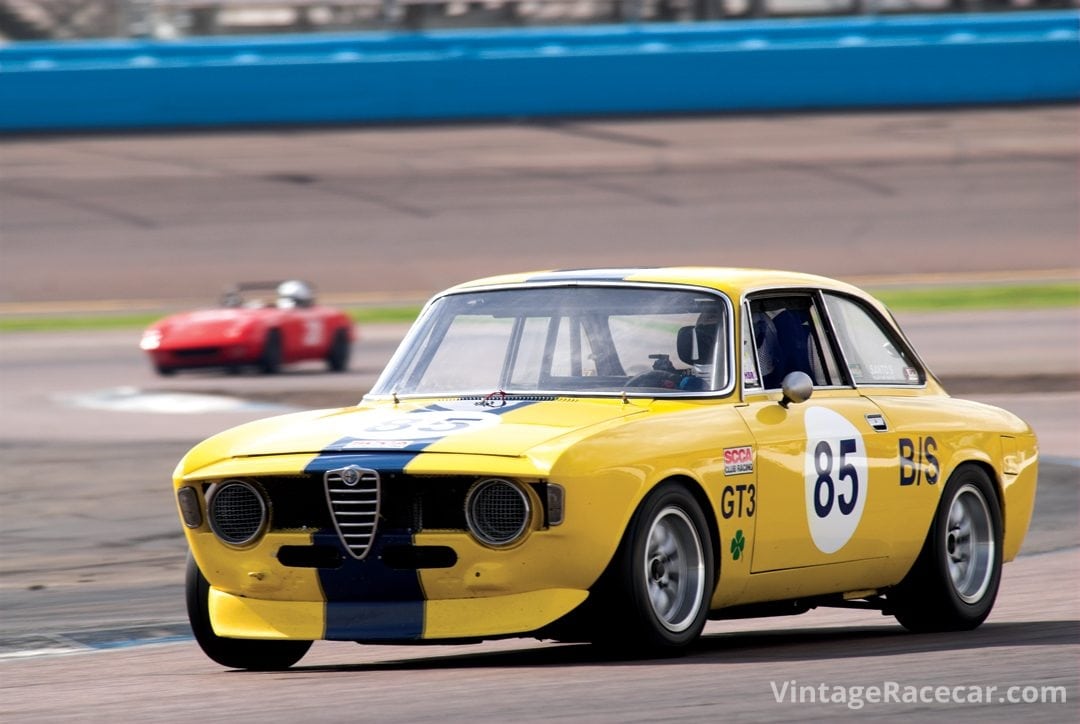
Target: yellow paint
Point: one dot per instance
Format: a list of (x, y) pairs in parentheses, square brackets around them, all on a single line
[(255, 571), (498, 615), (817, 580), (1019, 502), (253, 618)]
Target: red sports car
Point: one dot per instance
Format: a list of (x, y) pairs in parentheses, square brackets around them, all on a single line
[(258, 324)]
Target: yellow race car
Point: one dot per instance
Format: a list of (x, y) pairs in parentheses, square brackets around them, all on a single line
[(611, 455)]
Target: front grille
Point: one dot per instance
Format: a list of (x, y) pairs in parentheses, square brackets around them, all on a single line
[(353, 495), (380, 503)]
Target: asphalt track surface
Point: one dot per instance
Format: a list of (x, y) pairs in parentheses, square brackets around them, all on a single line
[(92, 554), (411, 210)]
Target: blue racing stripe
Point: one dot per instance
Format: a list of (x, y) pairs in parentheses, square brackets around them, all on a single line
[(366, 600), (413, 431)]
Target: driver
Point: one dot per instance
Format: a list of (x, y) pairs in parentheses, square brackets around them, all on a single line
[(294, 293)]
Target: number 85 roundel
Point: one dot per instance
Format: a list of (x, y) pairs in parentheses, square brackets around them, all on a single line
[(836, 473)]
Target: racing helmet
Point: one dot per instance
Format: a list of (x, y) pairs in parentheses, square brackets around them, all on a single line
[(295, 293)]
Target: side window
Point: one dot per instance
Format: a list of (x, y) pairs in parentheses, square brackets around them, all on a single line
[(789, 337), (874, 354)]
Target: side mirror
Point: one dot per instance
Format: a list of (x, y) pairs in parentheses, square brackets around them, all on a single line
[(797, 387)]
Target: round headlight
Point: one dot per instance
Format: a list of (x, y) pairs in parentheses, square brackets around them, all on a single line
[(237, 512), (497, 512), (151, 339)]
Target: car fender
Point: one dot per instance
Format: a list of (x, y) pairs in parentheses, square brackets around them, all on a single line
[(933, 444), (676, 441)]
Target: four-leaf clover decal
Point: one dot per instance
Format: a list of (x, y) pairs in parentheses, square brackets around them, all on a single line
[(737, 545)]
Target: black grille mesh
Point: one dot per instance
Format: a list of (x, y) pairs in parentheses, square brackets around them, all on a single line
[(237, 512), (498, 511)]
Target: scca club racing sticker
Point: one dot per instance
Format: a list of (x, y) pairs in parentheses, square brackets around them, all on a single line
[(738, 460), (836, 474)]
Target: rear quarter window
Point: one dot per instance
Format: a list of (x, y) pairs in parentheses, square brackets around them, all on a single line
[(875, 355)]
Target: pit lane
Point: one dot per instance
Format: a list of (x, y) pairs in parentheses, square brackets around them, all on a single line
[(92, 551)]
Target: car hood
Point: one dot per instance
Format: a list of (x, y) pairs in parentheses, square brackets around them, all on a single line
[(447, 426), (206, 324)]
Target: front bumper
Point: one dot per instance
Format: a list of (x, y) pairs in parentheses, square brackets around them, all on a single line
[(204, 356), (405, 621)]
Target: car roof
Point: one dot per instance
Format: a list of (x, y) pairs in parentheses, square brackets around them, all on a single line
[(733, 281)]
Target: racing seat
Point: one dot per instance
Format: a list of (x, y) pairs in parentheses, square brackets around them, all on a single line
[(785, 345)]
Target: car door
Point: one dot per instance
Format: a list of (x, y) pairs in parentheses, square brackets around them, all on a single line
[(826, 466), (306, 332)]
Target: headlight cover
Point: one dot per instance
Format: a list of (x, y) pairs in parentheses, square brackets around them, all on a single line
[(498, 512), (151, 339), (237, 511)]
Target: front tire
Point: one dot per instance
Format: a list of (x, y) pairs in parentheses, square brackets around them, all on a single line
[(955, 579), (664, 574), (252, 654)]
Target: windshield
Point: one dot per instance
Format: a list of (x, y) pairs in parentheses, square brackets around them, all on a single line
[(577, 340)]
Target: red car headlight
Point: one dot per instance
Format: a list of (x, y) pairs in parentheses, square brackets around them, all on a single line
[(151, 339)]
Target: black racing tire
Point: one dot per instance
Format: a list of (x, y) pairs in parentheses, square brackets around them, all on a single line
[(251, 654), (656, 596), (270, 359), (954, 582), (337, 359), (165, 371)]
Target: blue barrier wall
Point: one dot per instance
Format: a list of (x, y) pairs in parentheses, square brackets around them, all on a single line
[(702, 67)]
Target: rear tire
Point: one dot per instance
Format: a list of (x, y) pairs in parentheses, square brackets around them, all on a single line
[(340, 349), (270, 360), (252, 654), (955, 579)]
